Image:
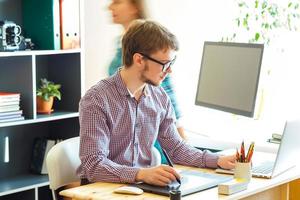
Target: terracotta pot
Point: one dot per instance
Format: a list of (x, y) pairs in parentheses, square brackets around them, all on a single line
[(44, 107)]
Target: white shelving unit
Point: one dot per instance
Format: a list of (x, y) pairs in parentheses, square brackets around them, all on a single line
[(21, 72)]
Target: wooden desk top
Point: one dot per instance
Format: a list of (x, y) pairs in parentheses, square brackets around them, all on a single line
[(104, 191)]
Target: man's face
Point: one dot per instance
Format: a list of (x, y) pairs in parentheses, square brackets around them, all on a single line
[(154, 72)]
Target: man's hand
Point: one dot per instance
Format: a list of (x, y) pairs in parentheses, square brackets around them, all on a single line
[(227, 162), (161, 175)]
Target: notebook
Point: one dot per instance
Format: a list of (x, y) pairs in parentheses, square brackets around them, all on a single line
[(273, 165), (191, 181)]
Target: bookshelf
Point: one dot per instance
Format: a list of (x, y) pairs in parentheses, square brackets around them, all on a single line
[(21, 72)]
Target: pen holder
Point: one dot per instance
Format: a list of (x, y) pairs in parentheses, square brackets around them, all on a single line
[(243, 170)]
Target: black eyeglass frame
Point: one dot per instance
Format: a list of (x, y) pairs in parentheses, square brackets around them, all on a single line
[(166, 65)]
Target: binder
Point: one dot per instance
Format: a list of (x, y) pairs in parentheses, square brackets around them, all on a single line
[(70, 24), (41, 23), (41, 148)]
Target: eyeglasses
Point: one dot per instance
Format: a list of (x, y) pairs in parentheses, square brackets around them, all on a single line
[(166, 65)]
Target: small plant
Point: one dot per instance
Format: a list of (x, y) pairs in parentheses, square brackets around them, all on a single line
[(48, 89)]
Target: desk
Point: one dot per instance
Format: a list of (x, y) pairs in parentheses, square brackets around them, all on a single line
[(267, 189)]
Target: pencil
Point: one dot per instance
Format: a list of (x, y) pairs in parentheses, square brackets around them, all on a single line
[(237, 156), (243, 152), (249, 151)]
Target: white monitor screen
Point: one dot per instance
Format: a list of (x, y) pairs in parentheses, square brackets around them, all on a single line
[(229, 76)]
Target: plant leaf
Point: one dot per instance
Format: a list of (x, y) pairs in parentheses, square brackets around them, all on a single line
[(257, 36)]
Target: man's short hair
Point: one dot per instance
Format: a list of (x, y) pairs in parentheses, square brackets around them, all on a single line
[(147, 37)]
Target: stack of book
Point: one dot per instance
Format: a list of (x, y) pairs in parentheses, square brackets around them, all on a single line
[(276, 138), (10, 107)]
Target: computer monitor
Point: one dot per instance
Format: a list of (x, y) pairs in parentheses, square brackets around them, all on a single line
[(229, 77)]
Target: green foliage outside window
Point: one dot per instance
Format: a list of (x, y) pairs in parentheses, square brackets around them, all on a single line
[(260, 19)]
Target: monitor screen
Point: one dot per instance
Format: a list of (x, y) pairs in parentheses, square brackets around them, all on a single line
[(229, 76)]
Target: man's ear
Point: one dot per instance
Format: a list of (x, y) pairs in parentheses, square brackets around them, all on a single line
[(138, 59)]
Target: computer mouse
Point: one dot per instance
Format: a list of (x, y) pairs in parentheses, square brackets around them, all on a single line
[(129, 190)]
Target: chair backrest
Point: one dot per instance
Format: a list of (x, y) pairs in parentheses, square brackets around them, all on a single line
[(155, 157), (62, 162)]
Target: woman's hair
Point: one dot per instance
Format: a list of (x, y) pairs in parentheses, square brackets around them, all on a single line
[(147, 37), (141, 6)]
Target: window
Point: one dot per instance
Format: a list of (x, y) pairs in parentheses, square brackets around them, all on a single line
[(201, 21)]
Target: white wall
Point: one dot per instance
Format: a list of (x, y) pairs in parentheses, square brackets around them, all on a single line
[(99, 40), (185, 19)]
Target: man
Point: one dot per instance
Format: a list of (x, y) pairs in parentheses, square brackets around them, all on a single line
[(122, 116)]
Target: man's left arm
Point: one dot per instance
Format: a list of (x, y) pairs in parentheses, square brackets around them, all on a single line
[(179, 151), (184, 154)]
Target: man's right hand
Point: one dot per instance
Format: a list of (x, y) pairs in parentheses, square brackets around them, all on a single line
[(161, 175)]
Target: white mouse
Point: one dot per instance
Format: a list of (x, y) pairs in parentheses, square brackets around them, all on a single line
[(129, 190)]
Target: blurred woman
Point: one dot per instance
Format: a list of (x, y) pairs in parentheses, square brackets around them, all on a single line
[(123, 13)]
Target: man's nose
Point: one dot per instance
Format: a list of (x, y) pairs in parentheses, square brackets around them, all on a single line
[(169, 70)]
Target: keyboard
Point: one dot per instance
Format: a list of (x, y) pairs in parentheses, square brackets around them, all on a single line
[(264, 168)]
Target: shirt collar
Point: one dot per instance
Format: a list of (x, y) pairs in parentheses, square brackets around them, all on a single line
[(123, 90), (120, 85)]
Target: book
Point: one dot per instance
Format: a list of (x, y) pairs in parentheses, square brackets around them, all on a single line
[(9, 103), (276, 136), (232, 186), (12, 119), (9, 96), (16, 116), (17, 112), (41, 23), (9, 108), (41, 147), (70, 24), (275, 141), (9, 99)]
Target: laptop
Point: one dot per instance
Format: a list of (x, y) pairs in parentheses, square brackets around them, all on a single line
[(267, 165), (192, 181)]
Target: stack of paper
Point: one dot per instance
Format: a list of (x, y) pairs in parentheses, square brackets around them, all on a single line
[(10, 107), (233, 186)]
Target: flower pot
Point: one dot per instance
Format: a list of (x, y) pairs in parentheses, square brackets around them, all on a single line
[(44, 107)]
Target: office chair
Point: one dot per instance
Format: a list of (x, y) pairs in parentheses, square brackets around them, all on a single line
[(63, 160), (155, 157)]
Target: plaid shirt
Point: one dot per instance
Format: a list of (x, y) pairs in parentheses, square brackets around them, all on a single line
[(117, 132)]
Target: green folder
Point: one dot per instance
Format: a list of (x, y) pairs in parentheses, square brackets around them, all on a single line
[(41, 23)]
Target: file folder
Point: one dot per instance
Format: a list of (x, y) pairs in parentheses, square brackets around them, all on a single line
[(70, 24), (41, 23)]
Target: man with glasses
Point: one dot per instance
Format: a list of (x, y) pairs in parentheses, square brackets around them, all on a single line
[(123, 115)]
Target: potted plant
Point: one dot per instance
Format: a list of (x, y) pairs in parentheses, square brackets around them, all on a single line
[(46, 93)]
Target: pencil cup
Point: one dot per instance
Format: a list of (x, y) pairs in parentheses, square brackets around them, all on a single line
[(243, 170)]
